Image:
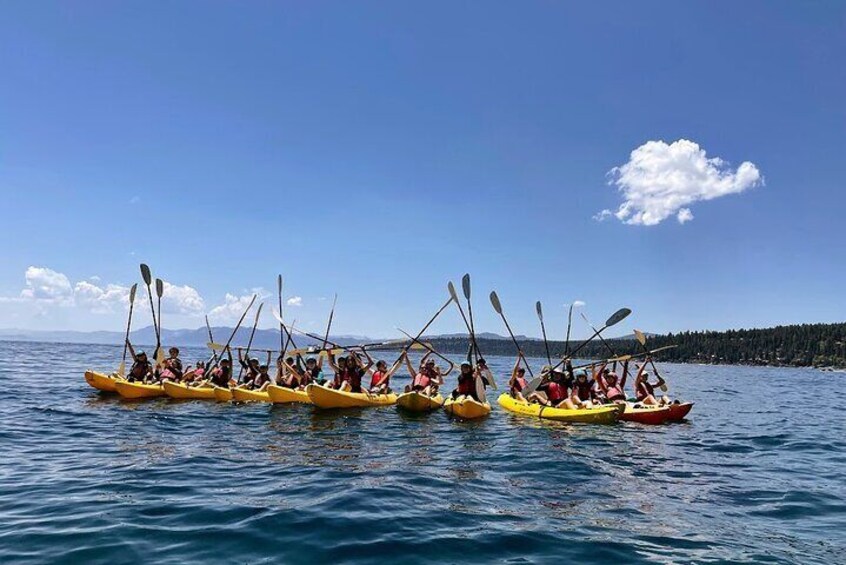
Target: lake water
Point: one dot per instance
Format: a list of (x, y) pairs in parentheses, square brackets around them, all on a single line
[(757, 474)]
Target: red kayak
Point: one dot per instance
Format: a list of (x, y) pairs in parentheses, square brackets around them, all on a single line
[(645, 413), (679, 411)]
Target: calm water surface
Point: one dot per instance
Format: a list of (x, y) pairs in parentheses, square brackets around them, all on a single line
[(86, 477)]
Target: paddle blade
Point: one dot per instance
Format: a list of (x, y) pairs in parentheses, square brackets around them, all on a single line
[(145, 274), (452, 293), (279, 283), (617, 317), (495, 302), (277, 316), (480, 390), (215, 346), (160, 356), (640, 337), (159, 287), (465, 284), (121, 369), (132, 293), (532, 386), (258, 312), (539, 309)]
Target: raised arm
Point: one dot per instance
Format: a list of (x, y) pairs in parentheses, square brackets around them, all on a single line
[(411, 372), (597, 376), (131, 350), (625, 374), (514, 371), (369, 361), (330, 358)]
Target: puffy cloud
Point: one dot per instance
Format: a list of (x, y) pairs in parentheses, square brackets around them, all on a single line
[(231, 309), (578, 303), (295, 301), (183, 300), (662, 180), (46, 284), (101, 300)]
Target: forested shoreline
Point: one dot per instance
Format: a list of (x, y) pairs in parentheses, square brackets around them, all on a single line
[(806, 345)]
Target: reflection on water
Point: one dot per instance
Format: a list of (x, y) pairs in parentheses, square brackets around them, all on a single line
[(89, 477)]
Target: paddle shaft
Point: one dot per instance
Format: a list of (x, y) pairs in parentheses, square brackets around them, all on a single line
[(250, 342), (238, 325), (517, 345), (569, 325), (211, 339), (426, 327), (128, 324), (543, 331)]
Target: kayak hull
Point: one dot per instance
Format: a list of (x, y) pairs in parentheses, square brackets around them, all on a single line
[(328, 398), (466, 408), (185, 392), (285, 395), (597, 415), (645, 414), (244, 395), (222, 394), (136, 391), (419, 402), (679, 412), (101, 382)]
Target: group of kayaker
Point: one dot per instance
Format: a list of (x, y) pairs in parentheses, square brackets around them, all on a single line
[(574, 388)]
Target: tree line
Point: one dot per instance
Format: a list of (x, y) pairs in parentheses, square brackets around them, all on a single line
[(805, 345)]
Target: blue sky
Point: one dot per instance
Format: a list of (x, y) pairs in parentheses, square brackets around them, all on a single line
[(378, 150)]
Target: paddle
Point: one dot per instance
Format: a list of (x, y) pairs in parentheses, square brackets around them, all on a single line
[(122, 367), (498, 307), (159, 351), (148, 280), (211, 339), (329, 325), (465, 285), (543, 330), (250, 342), (281, 325), (424, 345), (429, 323), (237, 326), (569, 324), (641, 339), (636, 355), (602, 339), (454, 296)]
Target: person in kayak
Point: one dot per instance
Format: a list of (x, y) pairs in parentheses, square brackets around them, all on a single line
[(261, 381), (221, 376), (553, 390), (380, 381), (313, 372), (582, 389), (645, 391), (611, 390), (141, 370), (194, 375), (467, 382), (517, 383), (249, 367), (289, 373), (428, 377), (174, 363), (355, 371)]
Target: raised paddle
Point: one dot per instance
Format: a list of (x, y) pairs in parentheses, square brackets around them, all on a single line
[(543, 331), (454, 295), (602, 339), (498, 307), (250, 342), (237, 326), (211, 339), (122, 368), (569, 325), (465, 285), (429, 323), (641, 339), (329, 325), (148, 280), (614, 319), (159, 350), (426, 346), (281, 325)]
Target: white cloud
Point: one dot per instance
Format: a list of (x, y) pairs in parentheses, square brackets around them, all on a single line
[(232, 308), (183, 300), (578, 304), (101, 300), (46, 284), (94, 278), (295, 301), (662, 180)]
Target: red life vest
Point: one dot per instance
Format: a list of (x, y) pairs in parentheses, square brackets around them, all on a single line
[(555, 392), (582, 389), (466, 384), (377, 376)]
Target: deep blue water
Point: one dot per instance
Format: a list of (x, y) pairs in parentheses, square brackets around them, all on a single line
[(757, 474)]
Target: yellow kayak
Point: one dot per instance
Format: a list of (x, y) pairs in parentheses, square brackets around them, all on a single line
[(418, 402), (105, 383), (282, 395), (598, 415), (138, 390), (245, 395), (181, 391), (323, 397), (222, 394), (466, 407)]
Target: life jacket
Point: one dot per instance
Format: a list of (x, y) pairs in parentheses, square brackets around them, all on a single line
[(377, 376), (519, 384), (423, 379), (259, 380), (353, 376), (139, 370), (555, 392), (614, 393), (220, 377), (466, 384), (198, 373), (644, 389), (582, 389)]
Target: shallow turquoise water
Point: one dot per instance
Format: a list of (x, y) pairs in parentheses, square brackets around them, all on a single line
[(86, 477)]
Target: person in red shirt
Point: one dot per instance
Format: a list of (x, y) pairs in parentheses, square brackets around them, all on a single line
[(428, 377), (380, 382), (553, 391)]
